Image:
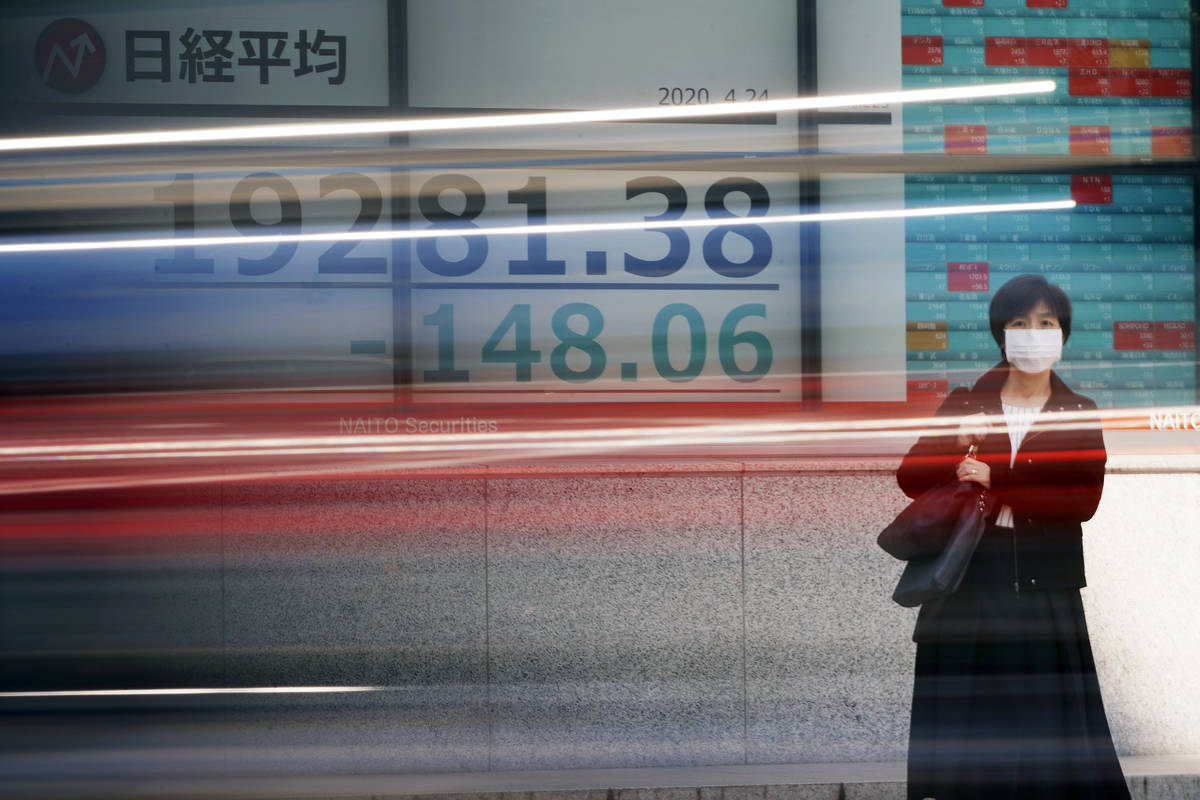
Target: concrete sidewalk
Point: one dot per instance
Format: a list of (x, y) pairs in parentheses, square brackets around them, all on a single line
[(1149, 777)]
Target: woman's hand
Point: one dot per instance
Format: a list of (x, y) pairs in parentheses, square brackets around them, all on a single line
[(971, 469), (973, 429)]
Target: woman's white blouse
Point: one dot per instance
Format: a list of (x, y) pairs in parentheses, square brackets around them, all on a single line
[(1018, 419)]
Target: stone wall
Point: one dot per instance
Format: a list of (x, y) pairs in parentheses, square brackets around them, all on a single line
[(602, 616)]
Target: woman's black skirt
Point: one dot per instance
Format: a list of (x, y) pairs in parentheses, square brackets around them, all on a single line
[(1006, 703)]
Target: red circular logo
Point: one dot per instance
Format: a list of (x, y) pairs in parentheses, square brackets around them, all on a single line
[(69, 56)]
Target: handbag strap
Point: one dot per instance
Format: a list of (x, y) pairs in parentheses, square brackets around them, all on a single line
[(971, 451)]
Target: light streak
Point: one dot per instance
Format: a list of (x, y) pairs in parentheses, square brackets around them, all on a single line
[(490, 121), (600, 439), (436, 454), (201, 691), (522, 230)]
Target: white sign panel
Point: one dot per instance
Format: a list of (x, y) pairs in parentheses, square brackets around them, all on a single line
[(210, 304), (866, 59), (663, 313), (264, 53), (578, 54)]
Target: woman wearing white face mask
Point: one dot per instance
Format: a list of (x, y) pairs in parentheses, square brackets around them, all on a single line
[(1006, 702)]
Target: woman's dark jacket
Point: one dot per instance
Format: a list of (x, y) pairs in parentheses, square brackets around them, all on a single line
[(1052, 487)]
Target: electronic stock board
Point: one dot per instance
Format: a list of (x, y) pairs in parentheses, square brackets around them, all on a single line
[(1125, 255), (658, 314)]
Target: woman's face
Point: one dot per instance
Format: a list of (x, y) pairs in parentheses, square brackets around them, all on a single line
[(1037, 318)]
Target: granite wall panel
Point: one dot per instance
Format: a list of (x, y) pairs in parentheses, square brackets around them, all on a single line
[(829, 664), (1142, 556), (110, 589), (615, 621), (672, 617), (368, 583)]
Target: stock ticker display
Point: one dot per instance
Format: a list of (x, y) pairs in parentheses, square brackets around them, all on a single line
[(1125, 255)]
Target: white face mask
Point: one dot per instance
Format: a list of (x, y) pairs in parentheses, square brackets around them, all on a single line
[(1033, 351)]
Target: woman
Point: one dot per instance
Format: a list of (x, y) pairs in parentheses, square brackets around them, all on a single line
[(1005, 700)]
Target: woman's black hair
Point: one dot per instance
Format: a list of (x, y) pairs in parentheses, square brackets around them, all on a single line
[(1019, 295)]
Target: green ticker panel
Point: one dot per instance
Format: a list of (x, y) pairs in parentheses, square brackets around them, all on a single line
[(1125, 255)]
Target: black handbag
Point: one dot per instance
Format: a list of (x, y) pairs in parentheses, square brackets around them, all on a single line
[(936, 534)]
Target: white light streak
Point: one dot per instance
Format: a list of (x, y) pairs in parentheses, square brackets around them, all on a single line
[(218, 690), (522, 230), (599, 439), (489, 121), (440, 452)]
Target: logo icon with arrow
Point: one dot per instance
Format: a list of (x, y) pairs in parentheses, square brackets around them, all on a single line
[(70, 56)]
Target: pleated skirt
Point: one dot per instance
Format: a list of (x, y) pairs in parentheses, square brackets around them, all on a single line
[(1006, 703)]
